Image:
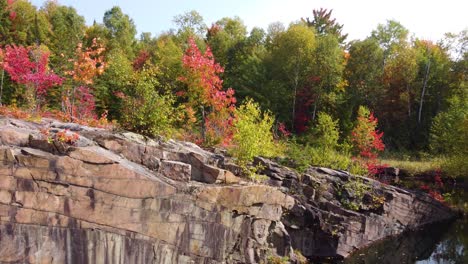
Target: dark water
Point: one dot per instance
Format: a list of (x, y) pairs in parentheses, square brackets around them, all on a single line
[(436, 244)]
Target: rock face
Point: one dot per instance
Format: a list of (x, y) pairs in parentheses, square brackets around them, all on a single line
[(123, 198)]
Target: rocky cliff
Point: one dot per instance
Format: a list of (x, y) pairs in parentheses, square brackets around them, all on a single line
[(122, 198)]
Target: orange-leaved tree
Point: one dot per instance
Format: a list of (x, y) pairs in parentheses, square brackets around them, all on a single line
[(78, 100)]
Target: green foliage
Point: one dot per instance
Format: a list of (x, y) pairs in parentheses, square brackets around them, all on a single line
[(121, 30), (144, 109), (325, 133), (449, 137), (303, 156), (277, 260), (449, 131), (252, 133)]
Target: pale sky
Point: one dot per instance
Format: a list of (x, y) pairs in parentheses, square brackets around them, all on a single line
[(427, 19)]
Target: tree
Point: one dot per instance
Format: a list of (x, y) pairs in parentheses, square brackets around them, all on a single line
[(367, 140), (121, 30), (291, 60), (28, 25), (363, 73), (190, 25), (28, 66), (144, 109), (326, 74), (325, 134), (324, 25), (390, 36), (67, 29), (204, 92), (6, 17), (112, 84), (223, 37), (87, 64)]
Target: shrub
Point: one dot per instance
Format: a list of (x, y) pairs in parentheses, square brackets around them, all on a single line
[(144, 109), (252, 133), (325, 134)]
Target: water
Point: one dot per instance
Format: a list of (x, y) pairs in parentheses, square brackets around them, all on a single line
[(445, 243)]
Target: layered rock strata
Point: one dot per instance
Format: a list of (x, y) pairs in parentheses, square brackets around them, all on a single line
[(118, 197)]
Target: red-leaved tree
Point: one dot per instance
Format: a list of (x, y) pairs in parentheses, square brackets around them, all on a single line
[(29, 66), (367, 140), (205, 95)]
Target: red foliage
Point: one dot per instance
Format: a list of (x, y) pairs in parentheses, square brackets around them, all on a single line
[(282, 129), (28, 66), (85, 103), (367, 141), (140, 60), (205, 91)]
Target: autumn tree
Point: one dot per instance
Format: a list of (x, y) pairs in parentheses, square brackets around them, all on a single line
[(78, 100), (367, 140), (29, 66), (205, 96)]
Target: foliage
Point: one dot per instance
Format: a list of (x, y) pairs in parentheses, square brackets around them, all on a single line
[(325, 133), (204, 92), (252, 133), (28, 66), (449, 137), (323, 24), (367, 140), (144, 109), (302, 156), (416, 87)]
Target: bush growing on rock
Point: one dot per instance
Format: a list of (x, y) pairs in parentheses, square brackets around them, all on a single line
[(144, 109), (252, 133)]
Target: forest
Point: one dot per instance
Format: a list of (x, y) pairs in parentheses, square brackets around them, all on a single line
[(303, 92)]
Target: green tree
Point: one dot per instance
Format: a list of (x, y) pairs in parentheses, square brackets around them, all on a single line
[(325, 134), (327, 74), (67, 30), (6, 16), (28, 26), (390, 36), (290, 66), (112, 84), (363, 73), (224, 36), (325, 25), (121, 31), (190, 25), (144, 109)]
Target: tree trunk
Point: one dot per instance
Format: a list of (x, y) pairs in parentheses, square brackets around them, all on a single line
[(296, 81), (1, 87), (426, 77), (315, 107), (409, 99), (203, 125)]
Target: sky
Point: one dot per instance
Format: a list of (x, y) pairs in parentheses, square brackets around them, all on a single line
[(426, 19)]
